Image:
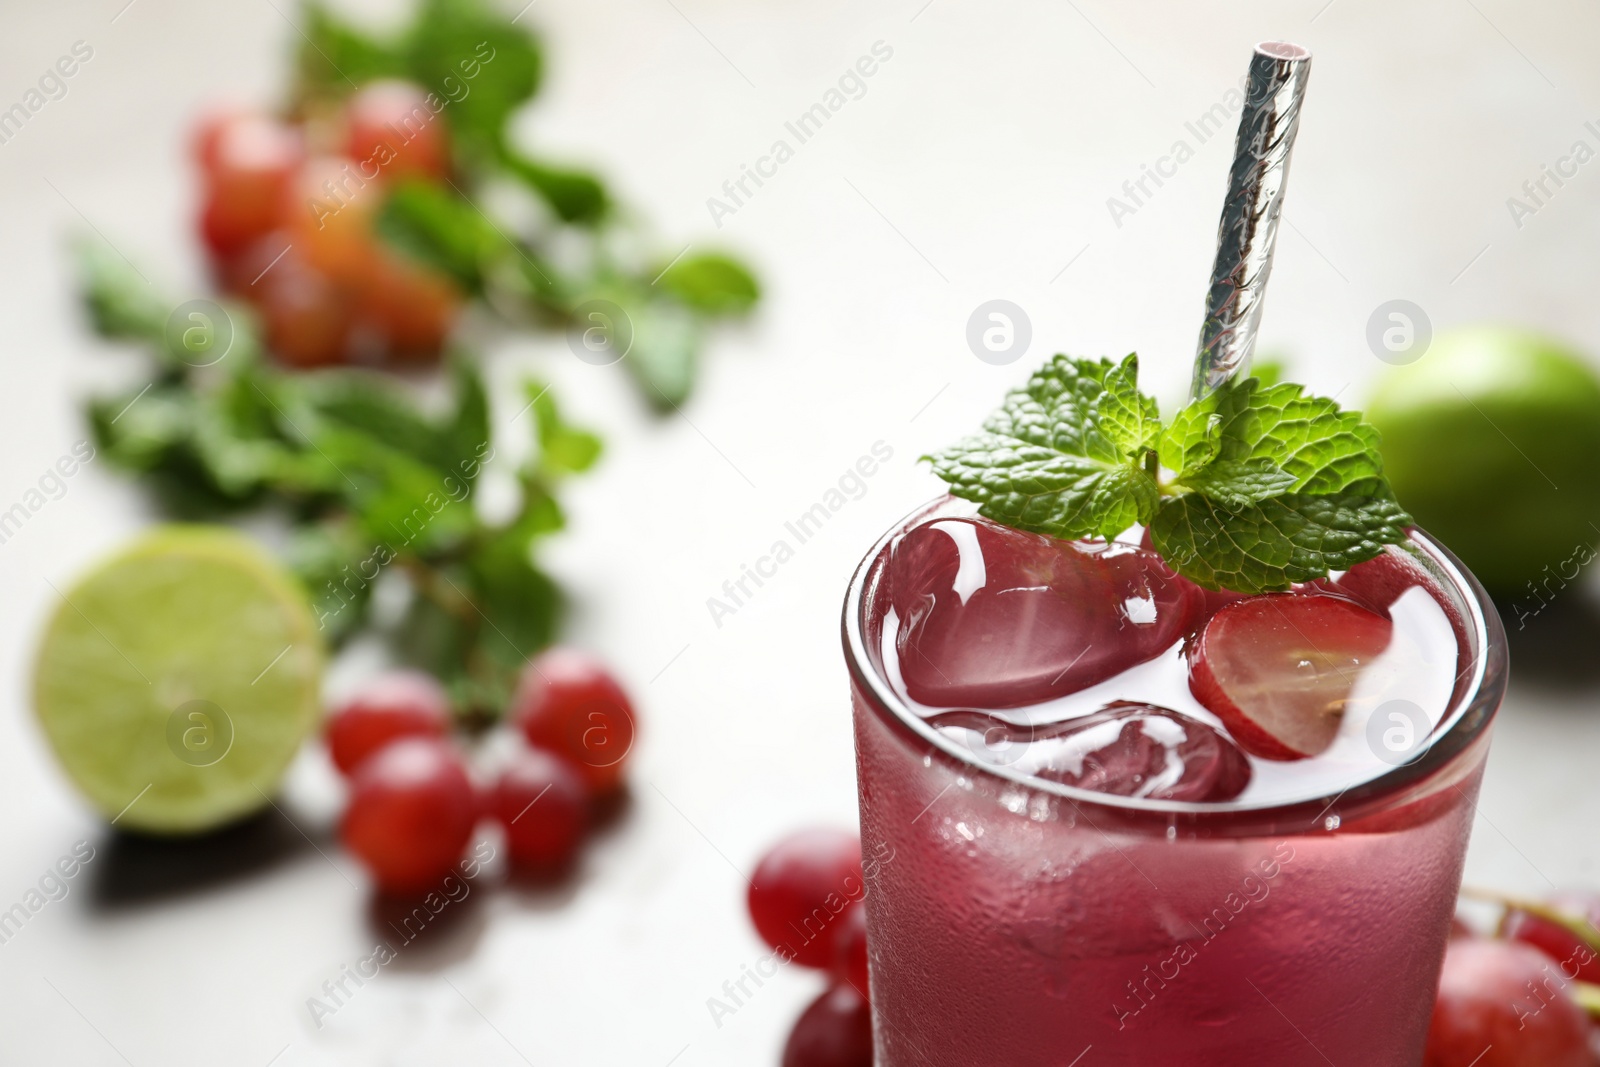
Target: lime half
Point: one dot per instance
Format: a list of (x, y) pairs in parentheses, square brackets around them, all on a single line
[(177, 679)]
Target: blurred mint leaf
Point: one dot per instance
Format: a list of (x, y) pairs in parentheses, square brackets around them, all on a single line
[(475, 58), (1052, 460), (441, 230), (665, 352), (563, 449), (335, 57), (121, 304), (574, 195), (712, 283), (1269, 371)]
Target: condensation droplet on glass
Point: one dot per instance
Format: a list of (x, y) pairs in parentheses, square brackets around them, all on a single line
[(1015, 801), (1172, 833), (964, 831), (1331, 823)]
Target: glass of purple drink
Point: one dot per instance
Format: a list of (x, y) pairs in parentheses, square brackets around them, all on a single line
[(1084, 857)]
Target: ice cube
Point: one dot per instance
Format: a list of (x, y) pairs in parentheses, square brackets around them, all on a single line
[(992, 617), (1126, 748)]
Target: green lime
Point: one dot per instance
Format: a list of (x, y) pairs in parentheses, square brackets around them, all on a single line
[(177, 679), (1492, 440)]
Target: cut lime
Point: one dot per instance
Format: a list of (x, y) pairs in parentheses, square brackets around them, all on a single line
[(178, 678)]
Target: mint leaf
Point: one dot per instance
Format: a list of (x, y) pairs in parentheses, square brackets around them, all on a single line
[(713, 283), (441, 230), (1129, 420), (335, 55), (120, 303), (472, 55), (1263, 486), (1296, 537), (1061, 456), (563, 448), (1193, 439), (1235, 484), (1325, 448), (574, 195)]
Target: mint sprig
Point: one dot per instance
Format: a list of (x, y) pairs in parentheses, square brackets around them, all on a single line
[(1252, 488)]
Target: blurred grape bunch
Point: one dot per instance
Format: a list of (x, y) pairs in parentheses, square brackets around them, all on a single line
[(371, 484), (483, 69)]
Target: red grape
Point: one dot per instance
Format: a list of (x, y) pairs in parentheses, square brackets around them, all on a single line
[(1503, 1004), (1575, 958), (212, 124), (850, 949), (412, 811), (248, 161), (800, 891), (1271, 668), (567, 702), (328, 208), (408, 305), (389, 126), (539, 799), (306, 316), (391, 706), (835, 1031)]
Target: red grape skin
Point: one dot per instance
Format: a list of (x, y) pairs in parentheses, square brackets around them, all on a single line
[(540, 801), (328, 209), (850, 950), (391, 706), (410, 306), (389, 126), (1503, 1004), (411, 813), (801, 890), (1576, 959), (835, 1031), (247, 161), (569, 704)]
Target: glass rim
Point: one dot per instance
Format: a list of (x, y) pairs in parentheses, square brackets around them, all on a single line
[(1472, 708)]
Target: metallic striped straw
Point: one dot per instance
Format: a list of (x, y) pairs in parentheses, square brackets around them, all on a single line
[(1249, 227)]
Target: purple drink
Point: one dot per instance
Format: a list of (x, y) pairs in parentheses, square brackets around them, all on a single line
[(1090, 862)]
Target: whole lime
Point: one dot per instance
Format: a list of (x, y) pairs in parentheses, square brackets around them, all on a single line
[(176, 680), (1492, 441)]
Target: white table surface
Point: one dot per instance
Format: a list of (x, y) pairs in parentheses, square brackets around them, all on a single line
[(977, 165)]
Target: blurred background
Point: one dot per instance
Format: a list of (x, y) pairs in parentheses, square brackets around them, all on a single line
[(978, 162)]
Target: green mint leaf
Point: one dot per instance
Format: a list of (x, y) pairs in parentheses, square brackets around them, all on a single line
[(334, 53), (1235, 484), (1129, 420), (1061, 457), (1296, 537), (441, 230), (562, 448), (475, 58), (1193, 439), (120, 303), (574, 195), (713, 284), (1325, 448)]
